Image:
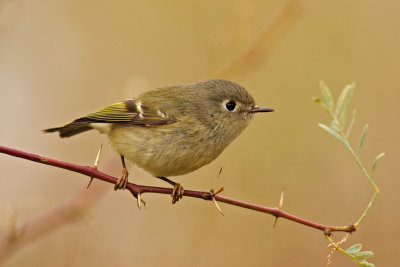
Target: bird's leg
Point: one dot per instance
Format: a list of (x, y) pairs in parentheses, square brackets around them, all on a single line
[(123, 180), (177, 192)]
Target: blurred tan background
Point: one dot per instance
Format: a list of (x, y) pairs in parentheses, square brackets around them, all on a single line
[(63, 59)]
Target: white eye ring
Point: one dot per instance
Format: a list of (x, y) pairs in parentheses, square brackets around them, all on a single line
[(229, 105)]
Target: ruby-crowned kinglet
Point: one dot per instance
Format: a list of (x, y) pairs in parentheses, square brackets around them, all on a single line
[(173, 130)]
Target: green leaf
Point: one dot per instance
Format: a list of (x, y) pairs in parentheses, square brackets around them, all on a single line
[(341, 98), (349, 89), (363, 254), (354, 248), (366, 264), (334, 126), (326, 96), (363, 133), (376, 162), (353, 118), (335, 134)]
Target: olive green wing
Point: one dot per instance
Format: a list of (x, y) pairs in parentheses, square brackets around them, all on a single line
[(129, 112), (115, 113)]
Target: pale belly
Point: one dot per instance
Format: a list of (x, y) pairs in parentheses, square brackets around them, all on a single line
[(166, 153)]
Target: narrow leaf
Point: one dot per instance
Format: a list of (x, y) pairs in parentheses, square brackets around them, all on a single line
[(363, 133), (341, 98), (326, 96), (346, 102), (354, 248), (335, 134), (363, 254), (376, 162), (366, 264), (334, 126), (353, 118)]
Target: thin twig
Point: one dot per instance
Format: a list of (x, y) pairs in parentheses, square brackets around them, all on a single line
[(136, 189), (360, 165)]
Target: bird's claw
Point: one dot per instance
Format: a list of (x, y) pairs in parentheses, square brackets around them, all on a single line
[(177, 193), (123, 180)]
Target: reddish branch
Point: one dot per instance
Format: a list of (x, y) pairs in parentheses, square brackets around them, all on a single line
[(136, 190)]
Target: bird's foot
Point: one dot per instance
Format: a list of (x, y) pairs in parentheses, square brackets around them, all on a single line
[(177, 193), (123, 180)]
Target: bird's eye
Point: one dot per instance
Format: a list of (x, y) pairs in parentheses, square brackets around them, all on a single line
[(230, 105)]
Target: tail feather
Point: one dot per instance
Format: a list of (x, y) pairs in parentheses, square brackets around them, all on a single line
[(70, 129)]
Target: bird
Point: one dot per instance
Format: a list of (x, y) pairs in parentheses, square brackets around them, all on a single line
[(172, 130)]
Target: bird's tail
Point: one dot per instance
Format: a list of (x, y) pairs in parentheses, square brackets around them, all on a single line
[(70, 129)]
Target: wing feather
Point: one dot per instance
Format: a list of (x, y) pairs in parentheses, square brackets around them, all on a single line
[(114, 113), (128, 112)]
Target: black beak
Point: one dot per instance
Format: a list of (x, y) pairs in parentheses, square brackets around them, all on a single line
[(256, 109)]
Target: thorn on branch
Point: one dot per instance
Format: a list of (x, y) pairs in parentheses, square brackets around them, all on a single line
[(280, 205), (96, 163), (219, 173), (281, 199), (90, 182), (216, 204), (210, 196), (139, 199)]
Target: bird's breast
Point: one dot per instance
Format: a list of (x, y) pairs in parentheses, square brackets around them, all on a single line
[(168, 151)]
